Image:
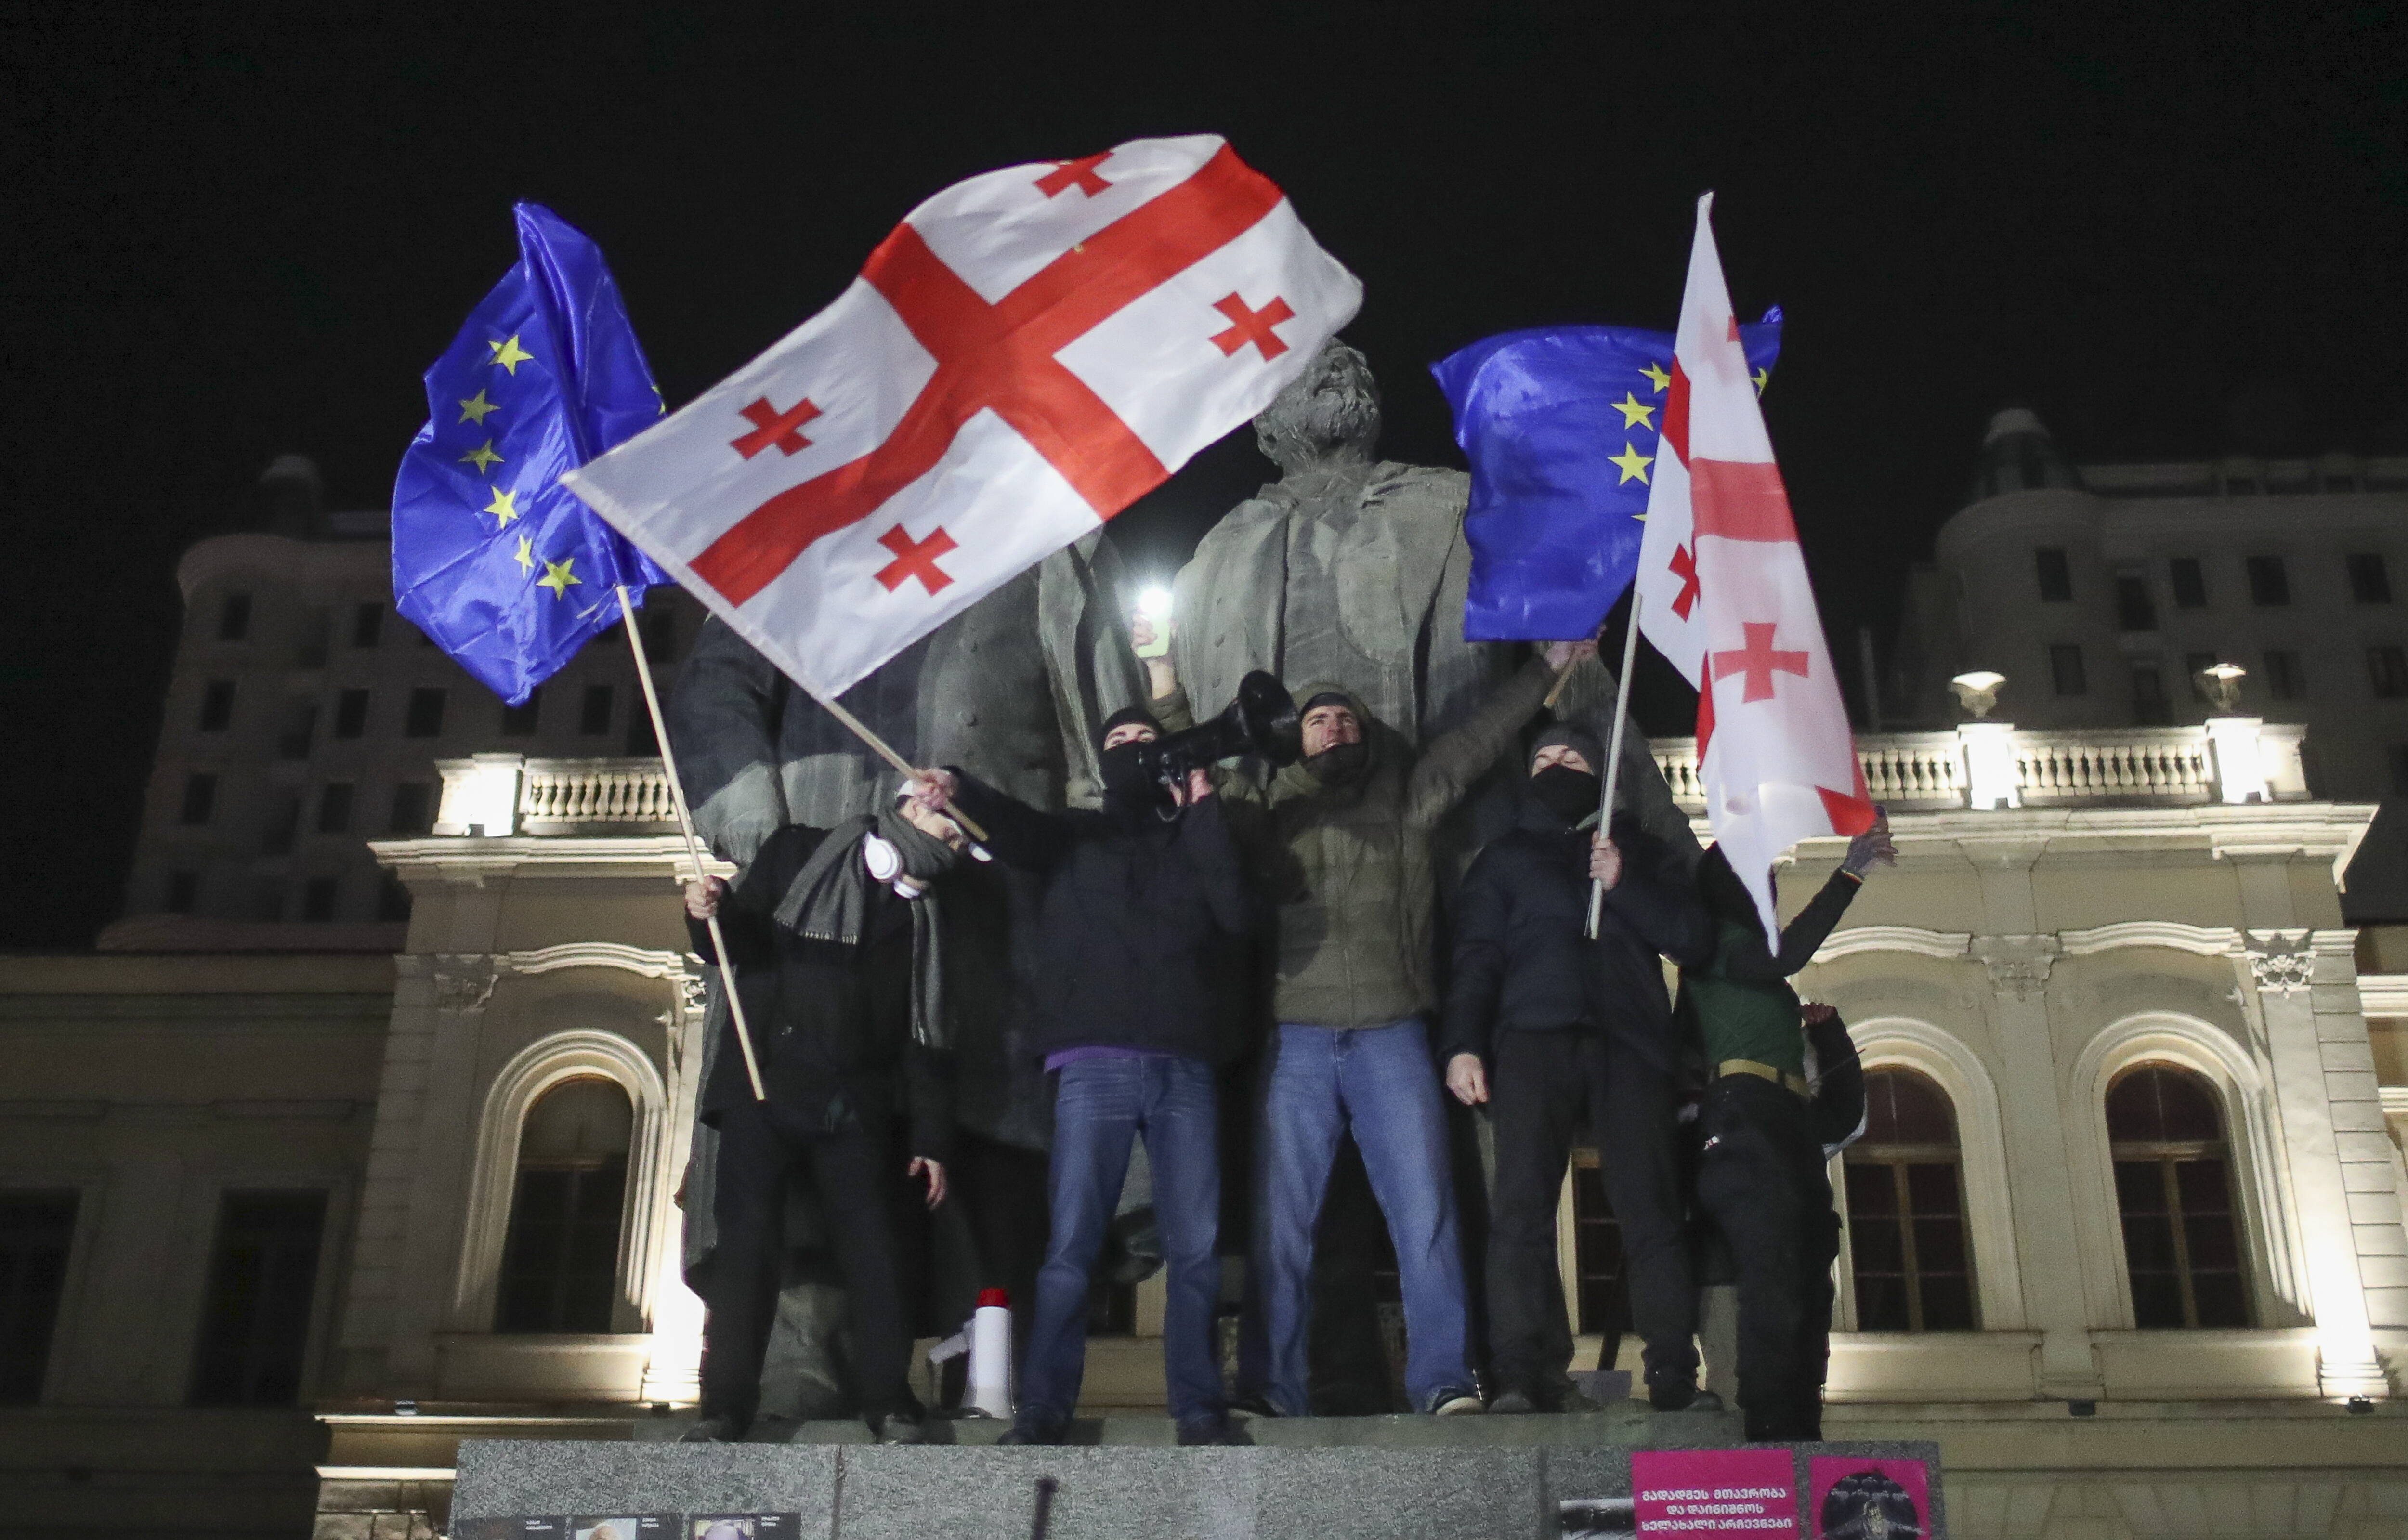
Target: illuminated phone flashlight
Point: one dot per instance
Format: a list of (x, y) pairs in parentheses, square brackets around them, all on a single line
[(1153, 608)]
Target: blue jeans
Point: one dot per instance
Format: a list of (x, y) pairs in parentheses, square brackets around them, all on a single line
[(1099, 1107), (1380, 1082)]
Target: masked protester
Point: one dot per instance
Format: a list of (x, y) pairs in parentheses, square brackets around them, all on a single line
[(1761, 1177), (830, 932), (1143, 903), (1551, 1031), (1344, 850)]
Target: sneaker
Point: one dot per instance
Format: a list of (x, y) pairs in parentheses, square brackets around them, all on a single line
[(715, 1429), (1514, 1402), (1030, 1431), (900, 1428), (1455, 1402), (1205, 1431), (1256, 1405), (1707, 1401)]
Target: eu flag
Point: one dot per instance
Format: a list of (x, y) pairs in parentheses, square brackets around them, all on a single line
[(493, 558), (1560, 425)]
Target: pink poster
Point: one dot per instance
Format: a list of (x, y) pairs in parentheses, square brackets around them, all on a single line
[(1853, 1499), (1683, 1492)]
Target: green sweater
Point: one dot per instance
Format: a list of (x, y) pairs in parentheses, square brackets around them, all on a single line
[(1740, 1005), (1348, 867)]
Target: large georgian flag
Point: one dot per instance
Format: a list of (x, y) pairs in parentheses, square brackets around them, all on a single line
[(1029, 352), (1724, 594)]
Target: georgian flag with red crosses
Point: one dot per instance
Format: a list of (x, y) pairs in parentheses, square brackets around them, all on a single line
[(1028, 353), (1722, 593)]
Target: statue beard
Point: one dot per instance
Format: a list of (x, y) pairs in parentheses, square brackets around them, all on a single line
[(1302, 431)]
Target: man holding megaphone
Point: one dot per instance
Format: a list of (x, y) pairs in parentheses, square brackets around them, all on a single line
[(1143, 903)]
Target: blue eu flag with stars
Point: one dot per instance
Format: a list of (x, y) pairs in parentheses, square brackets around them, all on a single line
[(493, 558), (1560, 425)]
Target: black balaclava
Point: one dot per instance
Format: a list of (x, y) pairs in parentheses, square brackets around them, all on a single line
[(1569, 794), (1128, 791), (1344, 763)]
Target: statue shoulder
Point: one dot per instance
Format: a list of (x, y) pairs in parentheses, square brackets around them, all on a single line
[(1430, 489), (1241, 527)]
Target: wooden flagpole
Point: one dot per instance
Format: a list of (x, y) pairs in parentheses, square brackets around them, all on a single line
[(692, 845), (1613, 756), (861, 730)]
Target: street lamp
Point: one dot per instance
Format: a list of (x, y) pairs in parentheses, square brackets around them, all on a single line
[(1977, 692), (2222, 682)]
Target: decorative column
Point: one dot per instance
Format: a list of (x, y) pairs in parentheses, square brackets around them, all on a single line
[(2047, 1239), (674, 1371)]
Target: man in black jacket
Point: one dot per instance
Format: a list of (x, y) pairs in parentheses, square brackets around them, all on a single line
[(828, 930), (1142, 904), (1551, 1029), (1761, 1177)]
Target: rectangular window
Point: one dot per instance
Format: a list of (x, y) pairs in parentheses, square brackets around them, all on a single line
[(300, 730), (2055, 573), (234, 618), (335, 808), (36, 1231), (413, 808), (2370, 582), (425, 642), (660, 633), (2387, 670), (642, 740), (317, 899), (519, 722), (284, 823), (367, 623), (2150, 707), (2134, 610), (352, 714), (2285, 680), (267, 899), (425, 715), (2189, 583), (2269, 581), (183, 891), (594, 715), (2065, 669), (217, 706), (313, 638), (200, 798), (2400, 769), (255, 1318)]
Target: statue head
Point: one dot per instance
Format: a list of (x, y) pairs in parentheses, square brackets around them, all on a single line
[(1329, 415)]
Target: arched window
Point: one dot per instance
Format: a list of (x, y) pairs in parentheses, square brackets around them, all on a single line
[(1906, 1209), (560, 1263), (2173, 1187)]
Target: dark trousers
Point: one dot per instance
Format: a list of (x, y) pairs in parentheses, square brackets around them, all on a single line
[(865, 1204), (1760, 1180), (1545, 1086), (1101, 1108)]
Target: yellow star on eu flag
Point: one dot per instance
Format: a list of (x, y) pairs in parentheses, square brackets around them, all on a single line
[(1655, 373), (524, 555), (483, 457), (557, 578), (476, 408), (1762, 378), (510, 355), (1633, 463), (1633, 412), (504, 507)]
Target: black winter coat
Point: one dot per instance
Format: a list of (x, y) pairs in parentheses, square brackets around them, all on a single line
[(1523, 964), (831, 1023), (1137, 933)]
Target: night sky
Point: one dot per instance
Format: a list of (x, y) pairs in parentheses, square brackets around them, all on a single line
[(235, 231)]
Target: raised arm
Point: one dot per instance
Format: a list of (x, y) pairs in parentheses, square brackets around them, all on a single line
[(1205, 837), (1803, 936), (1655, 896), (1019, 835), (1839, 1109), (1461, 755)]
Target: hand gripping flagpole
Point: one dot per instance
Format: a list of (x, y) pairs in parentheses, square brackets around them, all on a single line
[(1613, 757), (692, 845), (886, 752)]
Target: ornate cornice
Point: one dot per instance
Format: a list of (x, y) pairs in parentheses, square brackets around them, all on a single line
[(2018, 964), (1893, 938), (2204, 940), (603, 954)]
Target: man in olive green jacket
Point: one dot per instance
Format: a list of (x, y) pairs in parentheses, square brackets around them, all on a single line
[(1342, 842)]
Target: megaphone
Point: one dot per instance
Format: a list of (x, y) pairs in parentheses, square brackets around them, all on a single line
[(1262, 721)]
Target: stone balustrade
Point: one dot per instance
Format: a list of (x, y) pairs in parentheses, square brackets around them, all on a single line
[(1994, 764), (1980, 764)]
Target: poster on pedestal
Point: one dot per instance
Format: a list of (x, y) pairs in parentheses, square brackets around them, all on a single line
[(641, 1526), (1702, 1494), (1852, 1498), (511, 1527)]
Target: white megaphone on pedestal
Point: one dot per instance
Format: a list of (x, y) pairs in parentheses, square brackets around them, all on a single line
[(987, 1339)]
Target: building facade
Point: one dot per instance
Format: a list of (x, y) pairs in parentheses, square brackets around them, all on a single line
[(281, 1227)]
